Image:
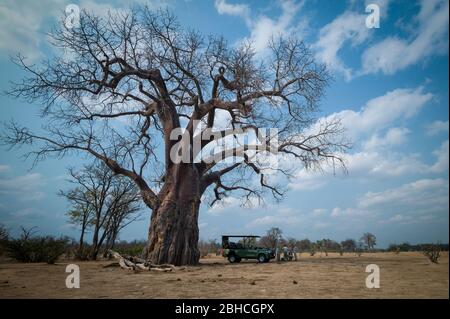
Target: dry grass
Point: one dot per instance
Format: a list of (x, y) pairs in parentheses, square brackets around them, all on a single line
[(404, 275)]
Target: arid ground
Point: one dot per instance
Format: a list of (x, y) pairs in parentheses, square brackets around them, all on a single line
[(404, 275)]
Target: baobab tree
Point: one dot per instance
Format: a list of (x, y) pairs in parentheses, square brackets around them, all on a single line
[(128, 80)]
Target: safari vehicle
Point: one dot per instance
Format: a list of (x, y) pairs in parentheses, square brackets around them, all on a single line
[(244, 249)]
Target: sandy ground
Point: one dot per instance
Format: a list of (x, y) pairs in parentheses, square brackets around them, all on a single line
[(406, 275)]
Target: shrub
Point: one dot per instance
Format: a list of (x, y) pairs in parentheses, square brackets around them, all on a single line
[(134, 248), (4, 235), (37, 249), (433, 252), (84, 253)]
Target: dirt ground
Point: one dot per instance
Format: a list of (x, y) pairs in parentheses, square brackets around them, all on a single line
[(405, 275)]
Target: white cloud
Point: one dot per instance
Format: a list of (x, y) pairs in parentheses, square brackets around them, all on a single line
[(347, 212), (21, 23), (319, 211), (231, 203), (380, 112), (437, 127), (4, 168), (349, 27), (240, 10), (380, 165), (393, 54), (374, 164), (377, 141), (429, 36), (308, 181), (321, 225), (27, 212), (277, 220), (428, 194), (202, 225), (262, 28), (415, 202), (393, 137), (389, 163), (442, 162), (399, 219), (25, 188)]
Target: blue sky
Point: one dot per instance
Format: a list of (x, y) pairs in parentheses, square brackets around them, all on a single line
[(390, 90)]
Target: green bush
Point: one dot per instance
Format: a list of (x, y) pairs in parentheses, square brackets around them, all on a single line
[(84, 253), (432, 251), (133, 248), (37, 249)]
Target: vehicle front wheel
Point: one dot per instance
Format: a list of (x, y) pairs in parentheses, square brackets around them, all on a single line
[(232, 259), (262, 258)]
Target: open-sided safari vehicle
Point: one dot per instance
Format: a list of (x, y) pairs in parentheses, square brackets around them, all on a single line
[(244, 249)]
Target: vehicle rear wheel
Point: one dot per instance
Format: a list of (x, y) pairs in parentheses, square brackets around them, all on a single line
[(262, 258), (232, 259)]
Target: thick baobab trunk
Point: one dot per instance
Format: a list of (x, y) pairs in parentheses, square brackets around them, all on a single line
[(173, 233)]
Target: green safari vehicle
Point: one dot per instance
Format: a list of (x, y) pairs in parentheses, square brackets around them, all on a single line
[(244, 249)]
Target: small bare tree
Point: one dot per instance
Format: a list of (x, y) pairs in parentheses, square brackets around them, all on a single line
[(433, 252), (104, 202), (130, 80), (81, 213), (270, 240), (370, 240), (348, 245), (303, 245), (126, 212)]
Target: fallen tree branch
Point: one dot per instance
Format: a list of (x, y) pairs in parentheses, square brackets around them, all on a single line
[(136, 263)]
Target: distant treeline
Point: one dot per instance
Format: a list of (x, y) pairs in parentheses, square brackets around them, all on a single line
[(31, 247), (324, 245), (368, 241), (414, 247)]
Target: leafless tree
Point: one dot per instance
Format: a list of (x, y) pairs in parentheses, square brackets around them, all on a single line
[(273, 235), (103, 201), (127, 212), (128, 80), (348, 245), (81, 215), (370, 240), (4, 233), (27, 233), (432, 251)]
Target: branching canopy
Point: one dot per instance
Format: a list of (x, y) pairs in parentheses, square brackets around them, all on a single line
[(124, 82)]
